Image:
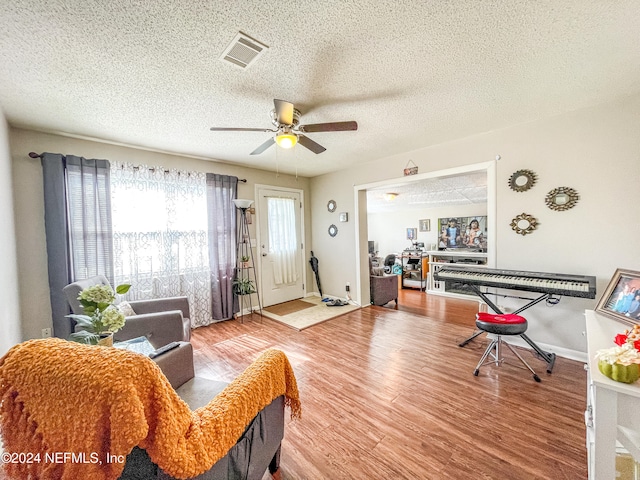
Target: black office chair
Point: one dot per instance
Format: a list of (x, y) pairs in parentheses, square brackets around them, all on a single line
[(389, 262)]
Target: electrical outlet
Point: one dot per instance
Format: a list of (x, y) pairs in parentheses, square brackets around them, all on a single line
[(347, 287), (46, 332)]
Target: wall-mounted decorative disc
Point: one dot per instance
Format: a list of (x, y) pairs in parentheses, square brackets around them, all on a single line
[(524, 224), (561, 198), (333, 230), (522, 180), (331, 206)]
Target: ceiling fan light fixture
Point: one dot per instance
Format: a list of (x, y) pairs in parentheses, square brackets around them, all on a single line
[(286, 140)]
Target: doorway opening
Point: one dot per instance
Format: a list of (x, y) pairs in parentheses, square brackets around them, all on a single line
[(363, 195)]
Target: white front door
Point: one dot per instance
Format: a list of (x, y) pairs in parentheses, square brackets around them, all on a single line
[(280, 249)]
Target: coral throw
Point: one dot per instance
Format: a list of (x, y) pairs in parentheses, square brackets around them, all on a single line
[(79, 410)]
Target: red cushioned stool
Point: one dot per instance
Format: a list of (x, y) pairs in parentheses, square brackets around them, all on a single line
[(499, 325)]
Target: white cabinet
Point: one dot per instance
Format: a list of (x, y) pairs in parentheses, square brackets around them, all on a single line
[(612, 417), (438, 259)]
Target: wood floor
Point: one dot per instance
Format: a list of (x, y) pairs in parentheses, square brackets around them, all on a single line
[(387, 393)]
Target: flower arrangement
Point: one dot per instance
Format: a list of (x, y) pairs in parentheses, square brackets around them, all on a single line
[(622, 363), (101, 317)]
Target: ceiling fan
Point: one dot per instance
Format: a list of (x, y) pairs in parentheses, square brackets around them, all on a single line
[(288, 130)]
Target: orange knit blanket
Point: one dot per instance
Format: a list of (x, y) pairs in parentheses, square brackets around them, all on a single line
[(75, 411)]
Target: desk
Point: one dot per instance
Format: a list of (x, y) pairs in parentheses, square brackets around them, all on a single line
[(176, 364), (415, 266)]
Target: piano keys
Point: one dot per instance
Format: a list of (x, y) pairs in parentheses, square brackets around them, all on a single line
[(552, 283)]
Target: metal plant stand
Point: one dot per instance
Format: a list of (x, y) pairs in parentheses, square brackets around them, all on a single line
[(245, 273)]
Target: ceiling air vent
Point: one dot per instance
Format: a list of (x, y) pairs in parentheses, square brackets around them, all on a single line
[(243, 50)]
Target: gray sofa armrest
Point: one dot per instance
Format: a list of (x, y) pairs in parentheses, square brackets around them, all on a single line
[(159, 328), (161, 305), (177, 366)]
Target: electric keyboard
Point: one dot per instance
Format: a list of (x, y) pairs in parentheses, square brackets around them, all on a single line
[(549, 283)]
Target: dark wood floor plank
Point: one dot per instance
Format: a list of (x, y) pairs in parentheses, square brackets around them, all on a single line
[(387, 393)]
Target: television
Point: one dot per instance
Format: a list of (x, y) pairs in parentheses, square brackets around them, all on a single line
[(464, 233)]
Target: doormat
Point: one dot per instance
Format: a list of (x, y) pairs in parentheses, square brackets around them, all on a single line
[(317, 313), (288, 307)]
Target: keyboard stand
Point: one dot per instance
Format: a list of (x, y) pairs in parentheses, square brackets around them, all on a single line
[(550, 358)]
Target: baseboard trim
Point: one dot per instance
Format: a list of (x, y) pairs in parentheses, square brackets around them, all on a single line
[(559, 351)]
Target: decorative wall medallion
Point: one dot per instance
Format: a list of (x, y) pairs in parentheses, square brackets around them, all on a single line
[(331, 206), (522, 180), (333, 230), (524, 224), (562, 198)]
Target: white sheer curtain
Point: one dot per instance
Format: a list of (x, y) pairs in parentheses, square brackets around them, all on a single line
[(160, 235), (283, 242)]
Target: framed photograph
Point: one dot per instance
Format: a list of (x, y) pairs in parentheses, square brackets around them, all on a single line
[(412, 233), (425, 225), (621, 299)]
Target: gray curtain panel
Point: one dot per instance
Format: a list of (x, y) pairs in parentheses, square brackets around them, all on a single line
[(221, 214), (77, 209)]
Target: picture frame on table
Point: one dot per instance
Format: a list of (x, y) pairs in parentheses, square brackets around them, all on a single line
[(621, 299)]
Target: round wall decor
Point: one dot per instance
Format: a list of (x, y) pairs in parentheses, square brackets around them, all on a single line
[(333, 230), (522, 180), (561, 198), (331, 206), (524, 224)]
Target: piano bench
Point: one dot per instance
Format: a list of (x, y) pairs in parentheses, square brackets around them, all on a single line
[(499, 325)]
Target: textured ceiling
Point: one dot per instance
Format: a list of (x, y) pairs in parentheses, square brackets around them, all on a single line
[(411, 73), (463, 189)]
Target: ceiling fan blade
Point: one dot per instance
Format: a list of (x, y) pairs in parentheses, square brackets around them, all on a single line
[(284, 111), (263, 147), (228, 129), (310, 144), (329, 127)]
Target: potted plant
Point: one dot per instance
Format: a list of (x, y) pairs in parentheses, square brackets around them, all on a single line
[(244, 261), (101, 318), (243, 286)]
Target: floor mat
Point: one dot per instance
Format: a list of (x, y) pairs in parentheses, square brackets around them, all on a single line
[(307, 317), (287, 308)]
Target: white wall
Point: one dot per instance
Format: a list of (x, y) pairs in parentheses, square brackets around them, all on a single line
[(29, 206), (10, 324), (389, 229), (595, 151)]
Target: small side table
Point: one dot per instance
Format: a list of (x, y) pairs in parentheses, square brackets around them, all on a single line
[(176, 364)]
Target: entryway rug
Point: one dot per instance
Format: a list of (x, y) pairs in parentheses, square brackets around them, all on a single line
[(299, 316), (288, 307)]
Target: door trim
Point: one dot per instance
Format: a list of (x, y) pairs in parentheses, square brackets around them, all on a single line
[(256, 196)]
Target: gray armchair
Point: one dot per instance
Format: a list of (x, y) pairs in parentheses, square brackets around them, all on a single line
[(383, 288), (161, 320)]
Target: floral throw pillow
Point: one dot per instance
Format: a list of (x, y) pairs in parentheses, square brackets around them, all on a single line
[(126, 309)]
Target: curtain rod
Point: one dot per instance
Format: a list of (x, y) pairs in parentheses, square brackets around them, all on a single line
[(39, 155)]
